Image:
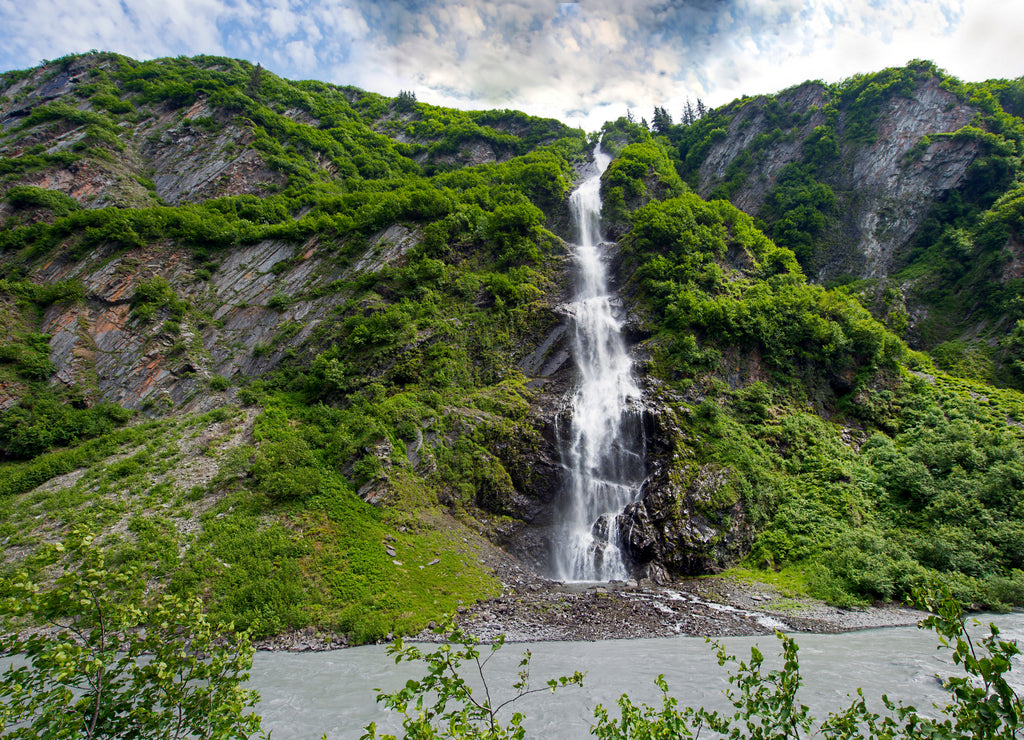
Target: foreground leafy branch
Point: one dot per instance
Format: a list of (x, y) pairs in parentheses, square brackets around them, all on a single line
[(983, 702), (981, 705), (92, 657), (764, 702), (443, 705)]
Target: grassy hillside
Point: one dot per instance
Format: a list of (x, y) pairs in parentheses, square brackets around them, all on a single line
[(865, 472)]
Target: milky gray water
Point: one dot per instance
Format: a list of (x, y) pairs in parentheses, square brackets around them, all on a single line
[(308, 695)]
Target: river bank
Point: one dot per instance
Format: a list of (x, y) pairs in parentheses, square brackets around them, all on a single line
[(536, 609), (707, 607)]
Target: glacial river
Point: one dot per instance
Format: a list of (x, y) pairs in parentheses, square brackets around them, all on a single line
[(308, 695)]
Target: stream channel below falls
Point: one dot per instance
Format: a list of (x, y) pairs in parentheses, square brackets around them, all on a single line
[(307, 695)]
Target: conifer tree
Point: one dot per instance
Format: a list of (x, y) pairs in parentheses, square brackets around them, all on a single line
[(662, 120), (688, 114), (406, 100), (254, 85)]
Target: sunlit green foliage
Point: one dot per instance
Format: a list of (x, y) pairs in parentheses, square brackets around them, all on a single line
[(116, 662), (641, 172), (352, 178), (709, 273), (27, 197), (935, 497), (863, 96), (443, 705), (322, 557), (799, 209), (404, 412), (43, 420)]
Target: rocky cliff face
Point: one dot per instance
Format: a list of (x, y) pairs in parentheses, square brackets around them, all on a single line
[(884, 188), (803, 103), (894, 189), (688, 519), (250, 305), (172, 155), (142, 362)]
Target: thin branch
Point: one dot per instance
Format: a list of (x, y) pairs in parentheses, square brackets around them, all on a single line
[(455, 672), (974, 654), (480, 669), (517, 697), (100, 672)]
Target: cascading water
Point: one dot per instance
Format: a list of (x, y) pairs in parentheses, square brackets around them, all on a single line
[(603, 452)]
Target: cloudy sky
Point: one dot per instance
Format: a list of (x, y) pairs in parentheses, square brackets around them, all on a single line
[(583, 62)]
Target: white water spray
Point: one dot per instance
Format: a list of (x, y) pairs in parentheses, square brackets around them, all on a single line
[(604, 452)]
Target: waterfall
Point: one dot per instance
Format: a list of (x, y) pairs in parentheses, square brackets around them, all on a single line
[(603, 451)]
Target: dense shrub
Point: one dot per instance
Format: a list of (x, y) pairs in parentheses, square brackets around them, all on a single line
[(41, 422)]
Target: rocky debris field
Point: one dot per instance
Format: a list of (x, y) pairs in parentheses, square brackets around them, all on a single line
[(303, 641), (536, 609)]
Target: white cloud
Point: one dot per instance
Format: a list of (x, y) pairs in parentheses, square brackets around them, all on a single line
[(147, 28), (301, 55), (986, 43), (467, 21), (570, 60), (339, 17), (282, 20)]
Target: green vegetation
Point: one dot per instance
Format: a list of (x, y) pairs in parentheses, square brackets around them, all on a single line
[(930, 493), (415, 261), (936, 502), (765, 703), (29, 197), (414, 363), (706, 271), (878, 518), (354, 179), (641, 172), (96, 674), (425, 704), (955, 273), (42, 421), (272, 549), (798, 208)]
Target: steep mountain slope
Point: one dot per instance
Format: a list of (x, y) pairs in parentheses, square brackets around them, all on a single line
[(890, 181), (182, 143), (385, 287), (338, 319)]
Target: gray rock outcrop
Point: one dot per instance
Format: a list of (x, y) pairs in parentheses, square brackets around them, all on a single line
[(884, 188)]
